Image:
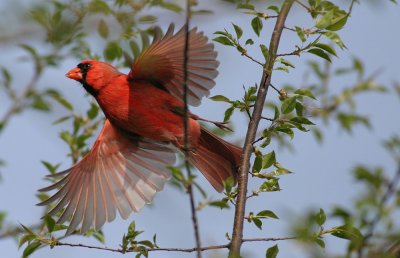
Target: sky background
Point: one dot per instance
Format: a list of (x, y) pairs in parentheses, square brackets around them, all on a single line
[(322, 173)]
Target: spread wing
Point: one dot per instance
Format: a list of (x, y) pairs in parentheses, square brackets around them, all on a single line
[(119, 173), (162, 64)]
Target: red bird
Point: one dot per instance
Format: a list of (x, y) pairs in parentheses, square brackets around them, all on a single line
[(144, 128)]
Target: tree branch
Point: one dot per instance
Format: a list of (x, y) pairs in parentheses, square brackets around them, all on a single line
[(187, 144), (171, 249), (237, 234)]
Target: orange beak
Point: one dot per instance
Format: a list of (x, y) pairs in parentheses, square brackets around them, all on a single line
[(75, 74)]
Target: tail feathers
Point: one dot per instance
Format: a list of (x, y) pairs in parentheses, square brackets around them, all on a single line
[(216, 158)]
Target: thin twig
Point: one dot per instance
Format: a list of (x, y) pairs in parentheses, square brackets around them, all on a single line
[(302, 5), (237, 233), (252, 59), (288, 28), (186, 125), (267, 118), (275, 88), (171, 249)]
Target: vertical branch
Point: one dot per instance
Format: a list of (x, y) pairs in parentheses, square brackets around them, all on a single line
[(237, 234), (186, 125)]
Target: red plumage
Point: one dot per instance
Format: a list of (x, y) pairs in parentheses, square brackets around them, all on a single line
[(143, 130)]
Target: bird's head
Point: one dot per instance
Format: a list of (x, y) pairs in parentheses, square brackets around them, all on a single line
[(93, 74)]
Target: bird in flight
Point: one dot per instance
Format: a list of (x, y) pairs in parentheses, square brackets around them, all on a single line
[(143, 130)]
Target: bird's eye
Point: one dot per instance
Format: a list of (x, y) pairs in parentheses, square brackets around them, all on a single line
[(84, 67)]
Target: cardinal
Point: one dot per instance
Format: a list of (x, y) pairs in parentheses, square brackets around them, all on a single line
[(143, 130)]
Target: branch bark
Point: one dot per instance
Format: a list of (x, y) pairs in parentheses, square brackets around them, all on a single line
[(237, 234)]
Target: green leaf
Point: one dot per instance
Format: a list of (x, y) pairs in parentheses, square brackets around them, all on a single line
[(288, 105), (268, 160), (31, 248), (61, 119), (220, 204), (299, 109), (274, 8), (257, 25), (220, 98), (320, 53), (99, 6), (320, 242), (67, 137), (2, 218), (93, 111), (325, 20), (52, 169), (326, 47), (334, 37), (358, 66), (113, 51), (245, 6), (223, 40), (257, 222), (264, 51), (6, 77), (301, 120), (249, 42), (59, 227), (300, 33), (338, 22), (228, 184), (286, 62), (99, 236), (50, 223), (267, 214), (282, 68), (257, 165), (238, 30), (305, 92), (276, 113), (25, 238), (348, 120), (271, 185), (40, 104), (272, 252), (103, 29), (228, 114), (148, 19), (287, 131), (147, 243), (347, 232), (57, 97), (320, 217)]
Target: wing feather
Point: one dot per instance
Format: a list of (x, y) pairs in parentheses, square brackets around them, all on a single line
[(120, 172), (163, 61)]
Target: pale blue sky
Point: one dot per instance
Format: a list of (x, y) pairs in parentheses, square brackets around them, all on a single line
[(322, 175)]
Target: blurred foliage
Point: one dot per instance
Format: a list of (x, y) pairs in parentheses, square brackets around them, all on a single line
[(124, 27)]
